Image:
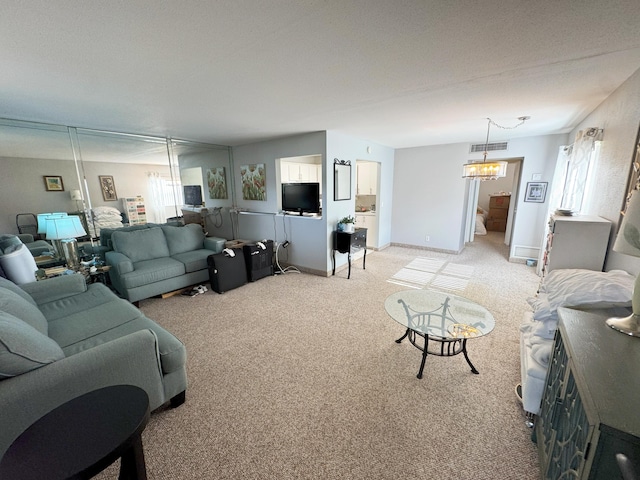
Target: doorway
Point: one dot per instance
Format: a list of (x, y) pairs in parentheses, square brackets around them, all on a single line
[(494, 204)]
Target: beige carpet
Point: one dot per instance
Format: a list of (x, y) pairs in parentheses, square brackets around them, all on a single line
[(298, 377), (433, 273)]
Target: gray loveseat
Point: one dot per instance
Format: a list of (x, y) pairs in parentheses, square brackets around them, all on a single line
[(161, 259), (60, 338)]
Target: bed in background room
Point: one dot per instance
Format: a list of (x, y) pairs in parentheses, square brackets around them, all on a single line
[(481, 221)]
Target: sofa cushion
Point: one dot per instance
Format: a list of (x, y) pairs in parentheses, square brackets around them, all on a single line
[(194, 260), (171, 351), (183, 239), (141, 245), (96, 295), (79, 326), (9, 285), (14, 304), (23, 348), (151, 271)]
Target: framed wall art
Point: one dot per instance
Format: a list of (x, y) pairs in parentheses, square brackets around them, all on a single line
[(536, 192), (53, 183), (253, 182), (108, 188), (217, 183)]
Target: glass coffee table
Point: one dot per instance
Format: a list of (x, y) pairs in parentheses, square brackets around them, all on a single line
[(446, 320)]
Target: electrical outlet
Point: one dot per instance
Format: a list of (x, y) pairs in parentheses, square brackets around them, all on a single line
[(427, 238)]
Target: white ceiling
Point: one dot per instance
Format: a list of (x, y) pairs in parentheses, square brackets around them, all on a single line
[(400, 73)]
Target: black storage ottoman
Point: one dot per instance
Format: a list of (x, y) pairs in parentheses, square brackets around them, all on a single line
[(258, 259), (227, 271)]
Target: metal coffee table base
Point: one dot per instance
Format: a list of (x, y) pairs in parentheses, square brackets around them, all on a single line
[(448, 348)]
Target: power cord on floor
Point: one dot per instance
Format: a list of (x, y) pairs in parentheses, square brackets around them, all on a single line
[(290, 268)]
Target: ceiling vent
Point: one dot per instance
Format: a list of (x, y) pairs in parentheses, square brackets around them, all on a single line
[(491, 147)]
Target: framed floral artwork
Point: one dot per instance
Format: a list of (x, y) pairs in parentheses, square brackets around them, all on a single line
[(108, 188), (53, 183), (217, 183), (253, 182)]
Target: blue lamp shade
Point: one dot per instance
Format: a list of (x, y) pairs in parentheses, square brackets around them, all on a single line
[(64, 227), (42, 220)]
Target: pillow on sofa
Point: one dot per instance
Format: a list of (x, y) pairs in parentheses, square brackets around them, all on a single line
[(140, 245), (23, 348), (183, 239), (14, 304)]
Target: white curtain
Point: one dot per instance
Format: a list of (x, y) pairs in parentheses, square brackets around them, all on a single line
[(578, 167), (155, 204)]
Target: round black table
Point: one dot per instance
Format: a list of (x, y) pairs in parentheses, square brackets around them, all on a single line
[(82, 437)]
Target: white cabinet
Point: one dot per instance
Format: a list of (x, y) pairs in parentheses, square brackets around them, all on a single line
[(370, 222), (300, 172), (576, 242), (367, 178)]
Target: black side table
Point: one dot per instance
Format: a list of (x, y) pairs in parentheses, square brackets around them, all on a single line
[(347, 243), (82, 437)]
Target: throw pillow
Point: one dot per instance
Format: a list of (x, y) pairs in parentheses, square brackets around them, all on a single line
[(23, 348)]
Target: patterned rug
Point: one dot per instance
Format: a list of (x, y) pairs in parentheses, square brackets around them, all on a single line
[(424, 272)]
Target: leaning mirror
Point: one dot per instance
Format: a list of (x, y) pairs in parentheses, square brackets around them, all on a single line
[(341, 180)]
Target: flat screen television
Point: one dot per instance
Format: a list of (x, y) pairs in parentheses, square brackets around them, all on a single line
[(192, 195), (301, 197)]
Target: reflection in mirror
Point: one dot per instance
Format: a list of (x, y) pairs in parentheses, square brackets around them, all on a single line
[(342, 180), (209, 167), (109, 167), (28, 152), (127, 178)]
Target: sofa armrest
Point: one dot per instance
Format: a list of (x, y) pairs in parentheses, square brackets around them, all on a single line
[(55, 288), (129, 360), (120, 262)]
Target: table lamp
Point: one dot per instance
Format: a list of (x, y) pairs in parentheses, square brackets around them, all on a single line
[(628, 242), (43, 218), (66, 230)]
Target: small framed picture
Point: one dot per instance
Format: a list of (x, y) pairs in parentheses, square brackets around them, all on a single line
[(53, 183), (108, 188), (536, 192)]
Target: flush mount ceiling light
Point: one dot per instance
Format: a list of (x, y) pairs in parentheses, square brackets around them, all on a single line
[(489, 170)]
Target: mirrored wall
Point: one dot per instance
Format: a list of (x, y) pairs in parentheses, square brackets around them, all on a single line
[(98, 174)]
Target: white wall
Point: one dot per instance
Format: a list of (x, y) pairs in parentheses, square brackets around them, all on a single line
[(429, 196), (346, 147), (619, 115), (311, 238), (430, 193), (307, 235)]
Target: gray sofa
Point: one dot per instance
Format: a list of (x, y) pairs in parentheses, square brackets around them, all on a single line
[(60, 338), (152, 261), (104, 243)]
